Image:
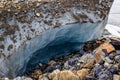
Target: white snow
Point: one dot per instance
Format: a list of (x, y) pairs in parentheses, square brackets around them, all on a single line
[(113, 25), (114, 30)]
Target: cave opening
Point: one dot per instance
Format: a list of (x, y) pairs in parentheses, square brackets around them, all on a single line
[(47, 53)]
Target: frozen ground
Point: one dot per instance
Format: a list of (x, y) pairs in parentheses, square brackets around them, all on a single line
[(113, 25)]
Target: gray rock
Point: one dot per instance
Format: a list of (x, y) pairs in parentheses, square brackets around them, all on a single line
[(22, 78), (97, 70), (90, 78), (111, 56), (105, 75), (108, 60), (117, 58)]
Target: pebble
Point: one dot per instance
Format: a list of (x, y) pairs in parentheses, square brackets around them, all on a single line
[(97, 70), (118, 52), (113, 70), (52, 62), (6, 78), (99, 55), (43, 77), (105, 75), (117, 58), (111, 56), (102, 62), (88, 60), (119, 65), (107, 65), (63, 75), (36, 74), (72, 61), (108, 60), (108, 47), (116, 77), (82, 73), (90, 78), (22, 78), (38, 14), (66, 65), (54, 74)]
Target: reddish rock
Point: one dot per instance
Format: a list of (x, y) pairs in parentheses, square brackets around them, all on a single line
[(100, 54), (109, 48)]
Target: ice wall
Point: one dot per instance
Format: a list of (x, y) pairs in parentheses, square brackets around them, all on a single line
[(35, 31)]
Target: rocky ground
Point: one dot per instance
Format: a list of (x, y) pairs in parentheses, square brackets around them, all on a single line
[(98, 60)]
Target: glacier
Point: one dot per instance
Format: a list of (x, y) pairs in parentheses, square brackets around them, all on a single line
[(45, 30)]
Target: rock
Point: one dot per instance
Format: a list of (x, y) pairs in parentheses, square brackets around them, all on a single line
[(54, 75), (87, 60), (90, 78), (107, 65), (43, 77), (119, 65), (63, 75), (68, 75), (116, 77), (51, 62), (117, 58), (36, 74), (115, 42), (108, 60), (105, 75), (91, 74), (18, 78), (118, 52), (102, 62), (111, 56), (113, 70), (60, 27), (15, 1), (72, 64), (72, 61), (38, 14), (22, 78), (26, 78), (52, 65), (108, 47), (66, 65), (97, 70), (6, 79), (82, 73), (99, 55)]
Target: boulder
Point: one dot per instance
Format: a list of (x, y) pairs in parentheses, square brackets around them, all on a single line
[(63, 75), (36, 31)]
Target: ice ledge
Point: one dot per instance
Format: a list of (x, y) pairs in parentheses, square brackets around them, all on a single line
[(72, 33)]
